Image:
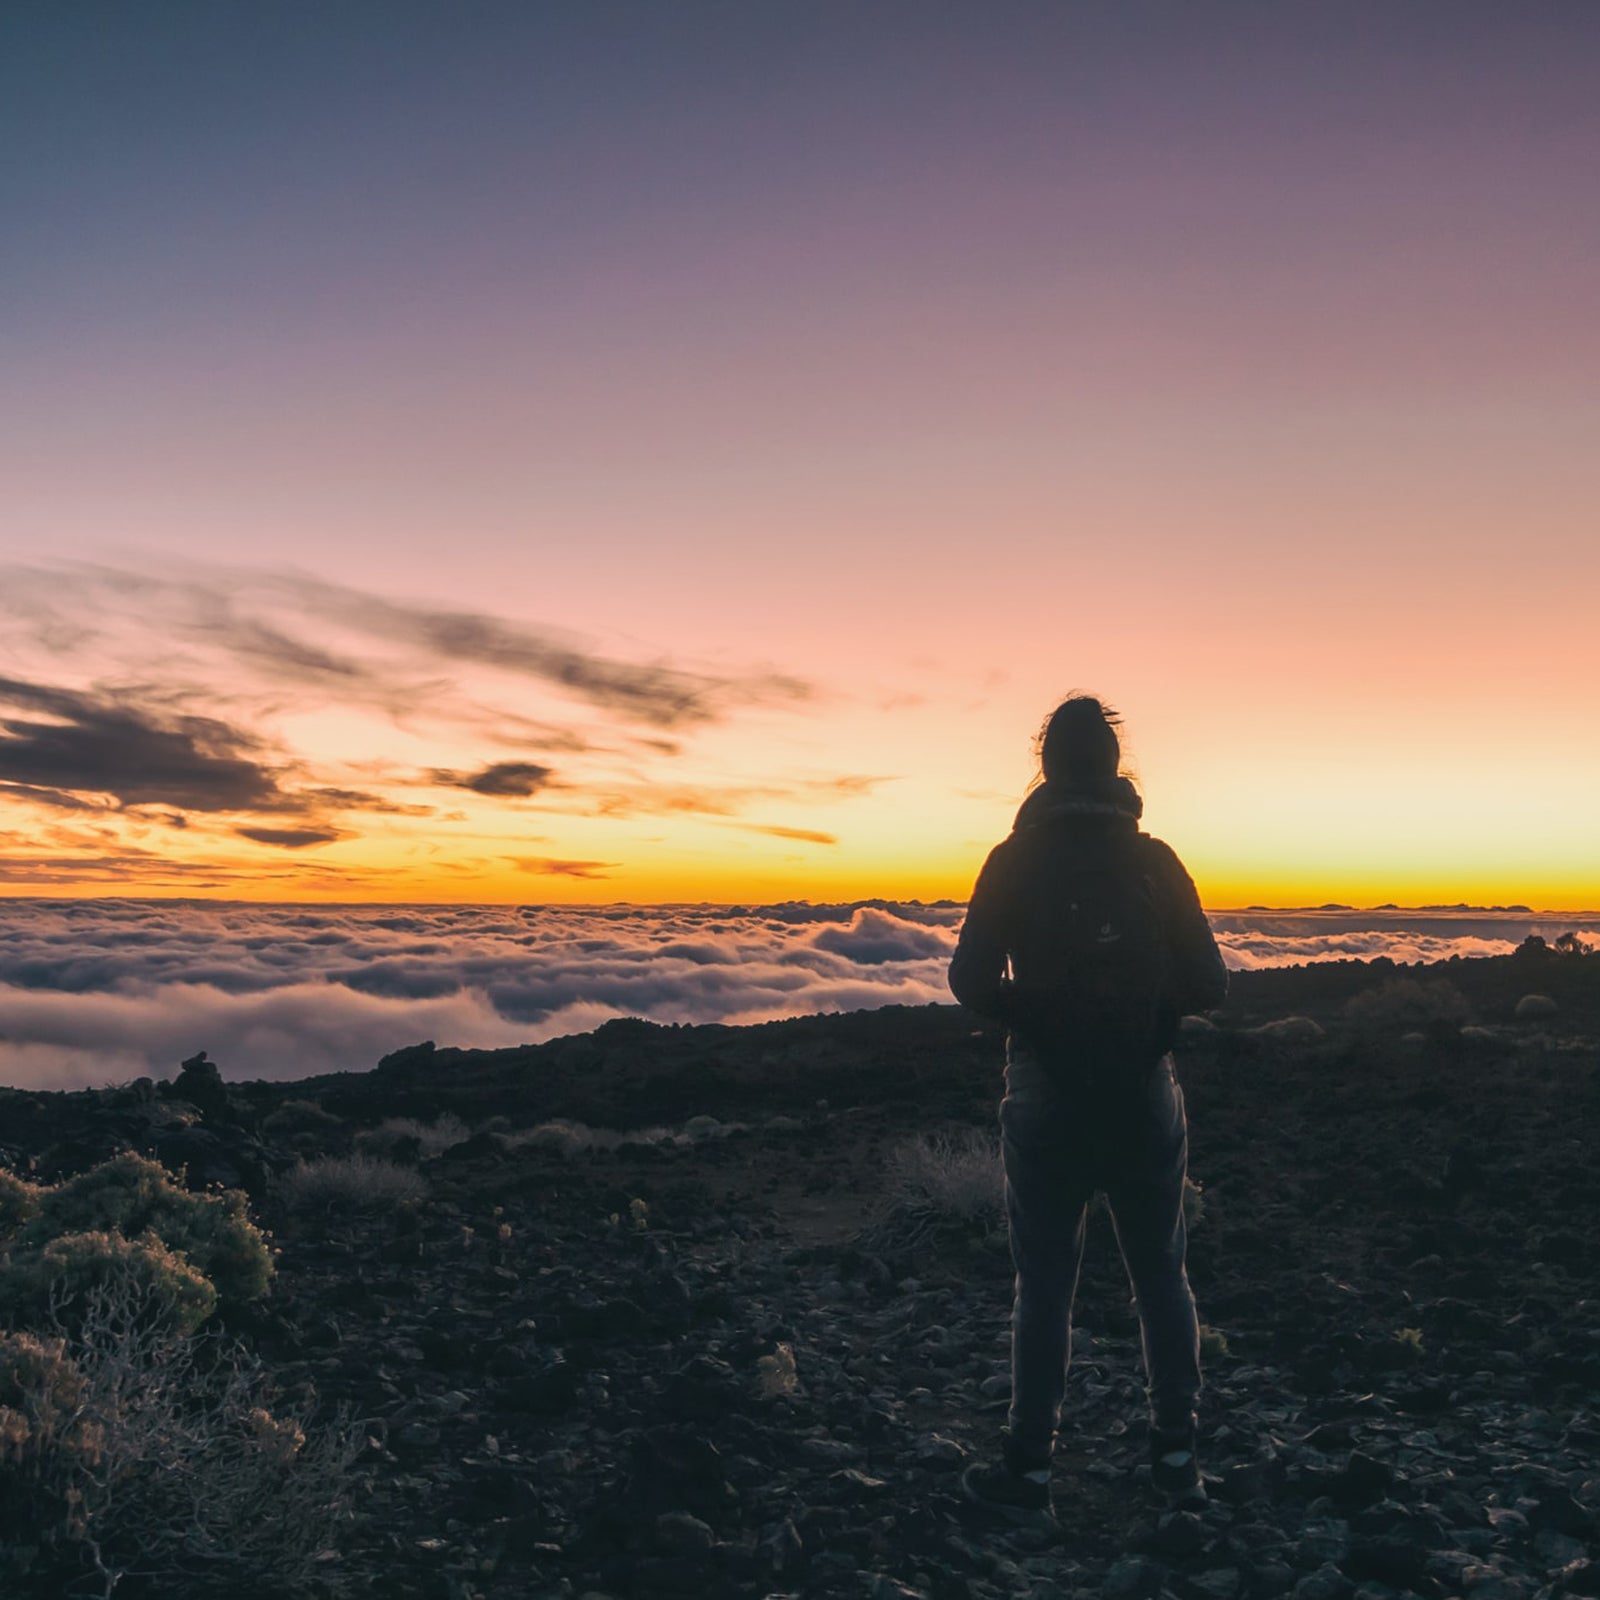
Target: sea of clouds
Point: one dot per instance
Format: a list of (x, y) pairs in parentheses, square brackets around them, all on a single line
[(97, 992)]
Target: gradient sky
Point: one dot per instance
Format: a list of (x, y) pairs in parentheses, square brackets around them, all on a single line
[(674, 452)]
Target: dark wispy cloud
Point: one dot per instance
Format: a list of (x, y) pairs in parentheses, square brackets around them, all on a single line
[(183, 687), (654, 693), (127, 749), (292, 838), (72, 743), (361, 800), (280, 624), (506, 779), (55, 798)]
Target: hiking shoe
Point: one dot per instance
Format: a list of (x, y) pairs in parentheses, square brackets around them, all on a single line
[(1175, 1468), (1019, 1497)]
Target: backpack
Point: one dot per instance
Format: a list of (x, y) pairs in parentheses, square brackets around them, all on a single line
[(1101, 972)]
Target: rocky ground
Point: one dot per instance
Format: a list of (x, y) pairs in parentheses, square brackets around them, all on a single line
[(720, 1361)]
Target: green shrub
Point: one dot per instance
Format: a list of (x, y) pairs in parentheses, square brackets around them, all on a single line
[(134, 1196), (54, 1285), (1213, 1342), (215, 1232), (19, 1204), (118, 1196)]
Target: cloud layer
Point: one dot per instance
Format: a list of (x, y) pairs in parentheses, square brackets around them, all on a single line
[(100, 991), (156, 722)]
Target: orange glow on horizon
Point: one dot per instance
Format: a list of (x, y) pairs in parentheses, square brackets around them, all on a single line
[(770, 884), (706, 498)]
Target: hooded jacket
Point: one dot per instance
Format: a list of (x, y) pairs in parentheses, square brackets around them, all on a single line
[(1002, 964)]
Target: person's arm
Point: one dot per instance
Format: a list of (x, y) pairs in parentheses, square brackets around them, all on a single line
[(978, 967), (1199, 978)]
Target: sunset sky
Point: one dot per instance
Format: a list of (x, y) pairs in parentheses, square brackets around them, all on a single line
[(661, 452)]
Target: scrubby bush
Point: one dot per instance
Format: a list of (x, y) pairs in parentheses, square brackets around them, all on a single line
[(935, 1183), (428, 1139), (19, 1204), (42, 1395), (215, 1231), (120, 1195), (561, 1136), (57, 1282), (48, 1440), (133, 1196), (136, 1450), (297, 1117), (567, 1138), (1398, 1005), (1288, 1031), (351, 1183)]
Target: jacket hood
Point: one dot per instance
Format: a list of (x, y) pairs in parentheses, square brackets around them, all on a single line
[(1118, 798)]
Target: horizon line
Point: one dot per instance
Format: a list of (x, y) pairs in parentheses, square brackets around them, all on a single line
[(1255, 909)]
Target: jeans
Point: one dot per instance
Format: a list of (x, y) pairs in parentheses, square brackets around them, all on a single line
[(1059, 1148)]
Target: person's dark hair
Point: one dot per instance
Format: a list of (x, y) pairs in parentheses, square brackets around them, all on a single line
[(1078, 744)]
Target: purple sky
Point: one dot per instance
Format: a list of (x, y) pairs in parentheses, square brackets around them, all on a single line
[(1241, 362)]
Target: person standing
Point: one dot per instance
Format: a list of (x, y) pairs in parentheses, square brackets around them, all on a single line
[(1086, 939)]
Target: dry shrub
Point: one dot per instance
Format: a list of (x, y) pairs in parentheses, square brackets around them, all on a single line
[(1288, 1031), (295, 1118), (937, 1183), (1401, 1005), (47, 1438), (350, 1183), (1535, 1005), (19, 1204), (567, 1138), (561, 1136), (397, 1135), (145, 1454)]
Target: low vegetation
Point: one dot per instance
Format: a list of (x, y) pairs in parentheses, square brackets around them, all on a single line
[(935, 1184), (126, 1216), (396, 1137), (1399, 1005), (132, 1442), (130, 1449), (350, 1183)]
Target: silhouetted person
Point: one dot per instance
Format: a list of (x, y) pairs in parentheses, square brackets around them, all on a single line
[(1085, 938)]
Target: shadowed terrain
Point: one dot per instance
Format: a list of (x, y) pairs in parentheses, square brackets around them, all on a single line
[(662, 1315)]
